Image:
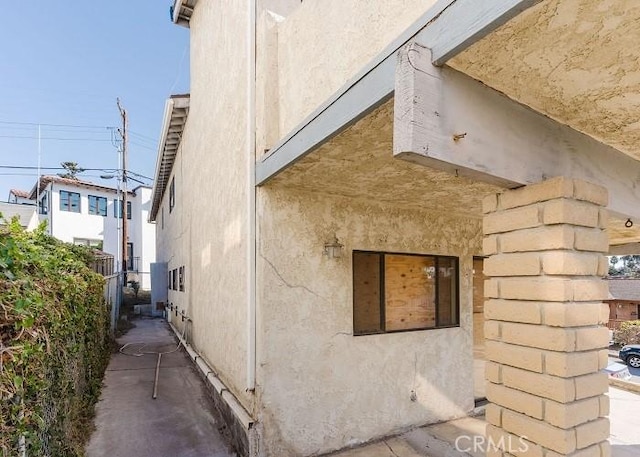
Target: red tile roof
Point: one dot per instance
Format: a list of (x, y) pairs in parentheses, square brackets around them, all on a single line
[(20, 193), (46, 180)]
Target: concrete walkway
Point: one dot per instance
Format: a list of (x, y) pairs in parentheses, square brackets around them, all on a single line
[(179, 422), (448, 439)]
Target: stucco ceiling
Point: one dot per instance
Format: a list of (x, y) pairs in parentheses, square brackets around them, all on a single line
[(577, 61), (359, 163)]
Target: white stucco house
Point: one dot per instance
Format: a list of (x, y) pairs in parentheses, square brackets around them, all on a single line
[(341, 176), (25, 213), (20, 197), (83, 212)]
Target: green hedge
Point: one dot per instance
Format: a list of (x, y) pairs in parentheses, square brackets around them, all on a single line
[(55, 345)]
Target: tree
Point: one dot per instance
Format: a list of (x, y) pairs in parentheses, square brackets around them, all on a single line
[(71, 170), (627, 266)]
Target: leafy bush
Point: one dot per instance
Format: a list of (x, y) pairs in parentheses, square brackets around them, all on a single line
[(628, 333), (54, 343)]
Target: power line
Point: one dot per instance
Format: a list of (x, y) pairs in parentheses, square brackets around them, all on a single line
[(52, 138), (142, 145), (109, 170), (142, 136), (57, 125)]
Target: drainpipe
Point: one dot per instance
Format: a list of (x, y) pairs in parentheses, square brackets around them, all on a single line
[(251, 191)]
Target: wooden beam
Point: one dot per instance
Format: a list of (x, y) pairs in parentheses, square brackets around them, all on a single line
[(465, 22), (369, 88), (449, 121), (448, 26)]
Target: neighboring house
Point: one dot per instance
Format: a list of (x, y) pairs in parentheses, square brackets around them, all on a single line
[(624, 301), (19, 197), (82, 212), (25, 213), (322, 192)]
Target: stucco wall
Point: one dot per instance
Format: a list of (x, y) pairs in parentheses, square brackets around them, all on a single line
[(144, 235), (172, 240), (320, 387), (213, 190), (323, 44)]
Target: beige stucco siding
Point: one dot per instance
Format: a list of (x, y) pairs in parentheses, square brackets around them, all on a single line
[(322, 388), (170, 244), (323, 44), (576, 61), (215, 186)]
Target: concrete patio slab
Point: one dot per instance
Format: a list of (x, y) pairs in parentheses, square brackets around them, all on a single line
[(179, 422), (448, 439)]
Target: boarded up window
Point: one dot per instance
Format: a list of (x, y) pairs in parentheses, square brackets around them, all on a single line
[(367, 316), (399, 292)]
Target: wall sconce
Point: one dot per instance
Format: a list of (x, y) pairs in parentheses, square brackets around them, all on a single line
[(333, 248)]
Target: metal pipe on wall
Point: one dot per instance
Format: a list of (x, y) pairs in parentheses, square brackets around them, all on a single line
[(251, 219)]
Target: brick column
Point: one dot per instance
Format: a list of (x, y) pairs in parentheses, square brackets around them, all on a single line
[(544, 313)]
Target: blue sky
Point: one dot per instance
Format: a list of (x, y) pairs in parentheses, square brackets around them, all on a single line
[(65, 63)]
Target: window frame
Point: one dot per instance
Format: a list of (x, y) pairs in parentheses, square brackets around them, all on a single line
[(98, 199), (117, 208), (172, 194), (43, 204), (382, 292), (67, 200)]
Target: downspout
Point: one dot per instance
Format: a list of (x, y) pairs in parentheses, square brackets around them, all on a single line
[(251, 191)]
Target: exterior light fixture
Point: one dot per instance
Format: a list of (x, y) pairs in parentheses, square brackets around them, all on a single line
[(333, 248)]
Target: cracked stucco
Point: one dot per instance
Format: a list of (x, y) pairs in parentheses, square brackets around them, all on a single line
[(321, 388), (577, 61)]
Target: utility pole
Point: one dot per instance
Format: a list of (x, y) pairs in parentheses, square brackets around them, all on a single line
[(123, 212)]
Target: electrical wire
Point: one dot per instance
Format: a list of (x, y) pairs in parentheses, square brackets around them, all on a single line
[(51, 138), (142, 145), (35, 124), (140, 135)]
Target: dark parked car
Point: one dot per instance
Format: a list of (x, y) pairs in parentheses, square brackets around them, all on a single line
[(630, 354)]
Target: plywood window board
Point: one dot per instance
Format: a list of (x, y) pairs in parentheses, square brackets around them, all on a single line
[(400, 292)]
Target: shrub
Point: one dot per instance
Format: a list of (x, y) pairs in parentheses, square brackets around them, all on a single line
[(628, 333), (54, 343)]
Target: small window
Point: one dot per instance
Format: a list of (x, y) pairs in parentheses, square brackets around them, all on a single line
[(172, 194), (69, 201), (162, 217), (400, 292), (97, 205), (131, 261), (117, 208), (181, 279), (169, 278), (44, 203)]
